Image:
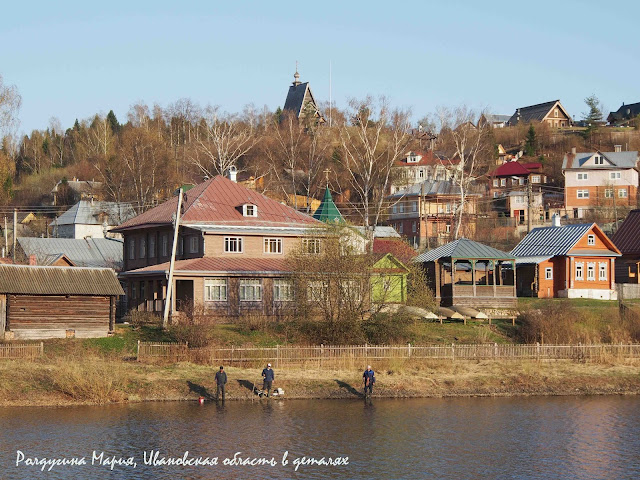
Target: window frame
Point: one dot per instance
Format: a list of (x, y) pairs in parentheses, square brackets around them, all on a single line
[(143, 247), (602, 271), (306, 246), (165, 245), (194, 246), (548, 273), (582, 176), (579, 268), (222, 285), (249, 210), (152, 246), (269, 241), (238, 241), (591, 271), (622, 193), (132, 248), (250, 285), (285, 285), (591, 239)]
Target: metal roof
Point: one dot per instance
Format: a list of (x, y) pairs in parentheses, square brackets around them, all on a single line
[(551, 241), (463, 248), (218, 265), (84, 252), (627, 238), (535, 113), (327, 212), (627, 159), (32, 280), (430, 187), (532, 260), (379, 231), (86, 212)]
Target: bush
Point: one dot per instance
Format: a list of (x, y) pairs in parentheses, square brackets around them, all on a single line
[(196, 336), (386, 328), (91, 380), (553, 323), (418, 292), (139, 319)]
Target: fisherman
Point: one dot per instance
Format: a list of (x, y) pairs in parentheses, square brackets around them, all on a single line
[(369, 379), (268, 376), (221, 381)]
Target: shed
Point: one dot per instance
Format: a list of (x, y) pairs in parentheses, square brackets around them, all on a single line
[(56, 302), (464, 272)]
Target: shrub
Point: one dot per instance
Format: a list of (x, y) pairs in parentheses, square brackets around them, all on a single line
[(139, 319), (91, 380), (553, 323), (387, 328)]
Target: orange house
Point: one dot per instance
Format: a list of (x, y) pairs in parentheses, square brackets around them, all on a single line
[(572, 261)]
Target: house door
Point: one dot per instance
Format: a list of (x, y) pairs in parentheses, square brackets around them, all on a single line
[(184, 295)]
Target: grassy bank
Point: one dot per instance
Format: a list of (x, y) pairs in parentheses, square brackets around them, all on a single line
[(95, 380)]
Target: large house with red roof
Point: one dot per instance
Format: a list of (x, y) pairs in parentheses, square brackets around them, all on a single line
[(418, 166), (509, 189), (230, 253)]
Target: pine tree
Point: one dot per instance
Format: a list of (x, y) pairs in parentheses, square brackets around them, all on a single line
[(594, 115), (113, 122), (531, 143)]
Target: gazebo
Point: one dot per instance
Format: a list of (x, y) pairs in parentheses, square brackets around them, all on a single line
[(468, 273)]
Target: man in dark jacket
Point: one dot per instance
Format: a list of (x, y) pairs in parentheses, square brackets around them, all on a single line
[(268, 376), (221, 381), (369, 379)]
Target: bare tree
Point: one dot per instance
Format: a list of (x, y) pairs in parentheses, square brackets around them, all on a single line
[(10, 101), (227, 138), (468, 144), (372, 139)]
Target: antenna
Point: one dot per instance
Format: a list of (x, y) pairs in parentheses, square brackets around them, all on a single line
[(329, 93)]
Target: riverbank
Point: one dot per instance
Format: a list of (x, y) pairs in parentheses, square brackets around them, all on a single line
[(99, 381)]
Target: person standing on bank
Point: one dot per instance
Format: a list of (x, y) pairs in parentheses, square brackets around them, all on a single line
[(268, 376), (221, 381), (369, 378)]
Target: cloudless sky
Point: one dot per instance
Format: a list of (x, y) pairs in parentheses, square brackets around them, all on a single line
[(75, 59)]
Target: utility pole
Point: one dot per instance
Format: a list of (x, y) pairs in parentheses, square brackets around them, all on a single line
[(15, 224), (529, 192), (6, 237), (168, 301)]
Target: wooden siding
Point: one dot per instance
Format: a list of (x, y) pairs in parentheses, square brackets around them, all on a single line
[(50, 316)]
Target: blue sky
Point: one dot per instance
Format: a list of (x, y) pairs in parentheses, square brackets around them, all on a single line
[(74, 59)]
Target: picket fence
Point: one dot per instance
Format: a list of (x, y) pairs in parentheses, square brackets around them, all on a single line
[(21, 350), (330, 354)]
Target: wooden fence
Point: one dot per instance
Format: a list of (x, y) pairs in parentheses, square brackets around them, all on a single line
[(327, 355), (21, 350)]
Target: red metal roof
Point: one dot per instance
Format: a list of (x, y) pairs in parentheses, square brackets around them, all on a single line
[(221, 264), (532, 165), (509, 169), (396, 247), (219, 201)]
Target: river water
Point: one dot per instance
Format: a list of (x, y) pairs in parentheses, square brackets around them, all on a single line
[(458, 438)]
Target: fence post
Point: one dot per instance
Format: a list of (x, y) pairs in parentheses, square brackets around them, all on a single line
[(277, 354), (453, 352), (409, 349), (495, 350), (321, 353), (138, 352), (41, 348), (538, 351)]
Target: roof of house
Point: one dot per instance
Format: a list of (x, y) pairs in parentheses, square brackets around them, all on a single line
[(86, 212), (534, 113), (210, 265), (492, 118), (625, 112), (219, 201), (553, 241), (327, 212), (461, 249), (32, 280), (379, 231), (84, 252), (436, 187), (628, 159), (427, 158), (79, 186), (396, 247), (627, 237), (510, 169)]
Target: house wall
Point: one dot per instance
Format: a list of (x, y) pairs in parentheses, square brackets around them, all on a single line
[(550, 288), (597, 182), (50, 316), (253, 245)]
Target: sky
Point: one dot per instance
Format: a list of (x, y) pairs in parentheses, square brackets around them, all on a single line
[(75, 59)]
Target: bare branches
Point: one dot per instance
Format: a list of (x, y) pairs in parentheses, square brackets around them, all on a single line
[(10, 101)]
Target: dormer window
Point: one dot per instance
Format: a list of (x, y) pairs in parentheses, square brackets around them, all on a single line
[(598, 160), (413, 158), (249, 210)]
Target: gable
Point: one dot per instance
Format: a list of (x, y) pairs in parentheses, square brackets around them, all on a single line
[(557, 112), (590, 161), (602, 243)]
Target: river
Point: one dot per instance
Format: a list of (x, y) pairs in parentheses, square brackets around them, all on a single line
[(456, 438)]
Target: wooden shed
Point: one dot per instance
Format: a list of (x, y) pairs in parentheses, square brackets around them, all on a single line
[(468, 273), (57, 302)]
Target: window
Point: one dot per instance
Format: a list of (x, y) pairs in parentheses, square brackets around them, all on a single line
[(401, 208), (132, 249), (608, 193), (591, 271), (421, 173), (503, 182), (598, 160), (602, 271), (165, 245), (311, 245), (143, 247), (535, 178), (583, 193), (448, 228), (394, 209), (272, 245), (520, 181), (414, 206), (152, 246), (350, 291), (591, 240), (249, 210), (215, 289), (495, 194), (193, 244), (583, 176), (250, 290), (233, 244), (548, 273), (614, 175), (316, 291), (622, 193), (579, 271), (400, 230), (282, 290), (134, 290), (142, 295), (413, 227), (556, 113), (495, 182)]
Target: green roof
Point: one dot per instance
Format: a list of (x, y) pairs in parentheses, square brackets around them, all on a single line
[(327, 212), (464, 248)]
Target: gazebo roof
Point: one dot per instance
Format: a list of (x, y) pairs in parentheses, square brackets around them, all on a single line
[(464, 248)]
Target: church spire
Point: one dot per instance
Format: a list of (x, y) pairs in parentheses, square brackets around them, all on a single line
[(296, 76)]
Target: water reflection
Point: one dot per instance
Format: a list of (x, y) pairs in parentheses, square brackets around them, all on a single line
[(532, 438)]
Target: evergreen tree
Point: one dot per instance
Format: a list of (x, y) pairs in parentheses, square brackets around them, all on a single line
[(278, 115), (531, 143), (113, 122), (76, 125), (594, 115)]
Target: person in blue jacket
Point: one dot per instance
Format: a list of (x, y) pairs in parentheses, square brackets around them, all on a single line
[(268, 376), (369, 378)]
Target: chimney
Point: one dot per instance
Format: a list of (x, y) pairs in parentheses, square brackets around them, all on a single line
[(32, 260), (555, 220), (573, 150), (617, 148), (233, 172)]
